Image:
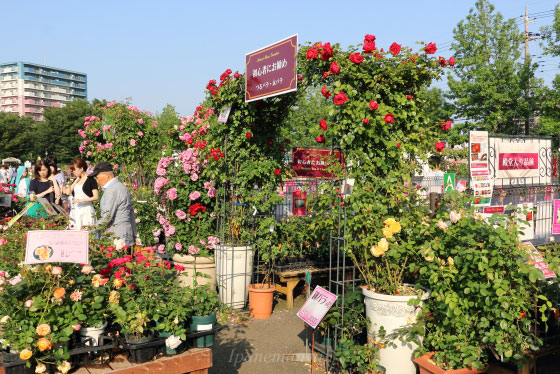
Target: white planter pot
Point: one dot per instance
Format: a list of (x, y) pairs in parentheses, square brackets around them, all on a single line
[(393, 312), (92, 332), (204, 265), (234, 267)]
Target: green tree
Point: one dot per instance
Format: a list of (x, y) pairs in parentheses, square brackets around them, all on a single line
[(486, 83), (15, 135), (551, 35), (168, 118)]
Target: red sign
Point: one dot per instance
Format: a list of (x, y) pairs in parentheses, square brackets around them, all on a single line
[(518, 161), (493, 209), (271, 71), (314, 162)]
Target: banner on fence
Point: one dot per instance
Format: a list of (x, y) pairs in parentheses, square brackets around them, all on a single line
[(482, 186), (536, 260), (517, 160), (45, 246), (316, 306), (526, 222), (271, 71), (314, 162), (478, 153), (556, 218)]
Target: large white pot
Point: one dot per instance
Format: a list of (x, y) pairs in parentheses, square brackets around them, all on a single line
[(234, 267), (393, 312), (92, 332), (204, 265)]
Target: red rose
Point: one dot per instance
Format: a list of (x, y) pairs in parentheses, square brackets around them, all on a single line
[(248, 135), (356, 58), (439, 146), (442, 61), (366, 121), (369, 38), (389, 118), (300, 77), (237, 75), (270, 142), (430, 48), (326, 92), (446, 126), (409, 97), (281, 149), (323, 124), (320, 139), (325, 74), (335, 69), (369, 46), (311, 54), (451, 61), (326, 52), (277, 171), (373, 105), (398, 145), (340, 98), (395, 49)]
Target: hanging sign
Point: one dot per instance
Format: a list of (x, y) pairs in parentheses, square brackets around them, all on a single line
[(271, 71), (316, 306), (224, 114), (478, 152), (314, 162), (517, 160), (448, 182), (483, 187), (45, 246), (536, 259), (556, 218)]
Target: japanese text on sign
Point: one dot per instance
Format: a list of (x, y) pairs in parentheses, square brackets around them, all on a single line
[(45, 246), (316, 306)]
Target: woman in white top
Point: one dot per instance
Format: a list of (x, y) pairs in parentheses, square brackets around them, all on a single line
[(22, 182), (85, 191)]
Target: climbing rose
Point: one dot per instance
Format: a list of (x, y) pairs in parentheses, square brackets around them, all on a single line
[(442, 61), (439, 146), (366, 121), (445, 126), (451, 61), (132, 142), (277, 171), (311, 54), (356, 58), (340, 98), (373, 105), (389, 118), (369, 38), (172, 193), (430, 48), (334, 68), (248, 135), (395, 49), (326, 52), (323, 124), (369, 46), (325, 92), (320, 139)]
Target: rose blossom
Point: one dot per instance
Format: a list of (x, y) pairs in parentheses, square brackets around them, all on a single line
[(373, 105), (140, 133), (28, 303), (334, 68), (340, 98), (140, 121), (439, 146), (132, 142), (172, 193), (87, 269), (454, 217), (211, 192), (430, 48), (193, 250), (56, 270), (178, 246), (76, 295), (356, 58), (395, 49), (194, 195), (389, 118), (76, 327), (180, 214), (442, 225)]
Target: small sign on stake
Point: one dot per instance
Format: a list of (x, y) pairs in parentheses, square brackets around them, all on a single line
[(45, 246), (316, 306), (448, 182), (224, 114)]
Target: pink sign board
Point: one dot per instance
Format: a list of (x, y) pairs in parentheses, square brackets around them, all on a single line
[(271, 70), (536, 260), (556, 217), (316, 306), (44, 246), (518, 161), (493, 209)]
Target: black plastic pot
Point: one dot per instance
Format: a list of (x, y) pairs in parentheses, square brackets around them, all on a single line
[(140, 350), (9, 356)]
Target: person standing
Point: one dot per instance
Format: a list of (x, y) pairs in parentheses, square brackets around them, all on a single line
[(22, 182), (84, 191), (3, 175), (117, 212), (44, 184)]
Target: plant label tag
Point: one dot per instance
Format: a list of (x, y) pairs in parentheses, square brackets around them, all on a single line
[(204, 327), (44, 246), (316, 306)]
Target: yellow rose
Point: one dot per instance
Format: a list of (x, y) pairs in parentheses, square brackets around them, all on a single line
[(64, 367), (59, 293), (118, 283), (41, 368), (389, 221), (25, 354), (387, 232), (383, 245), (375, 251), (450, 261), (44, 344), (114, 297), (395, 227), (43, 329), (96, 280)]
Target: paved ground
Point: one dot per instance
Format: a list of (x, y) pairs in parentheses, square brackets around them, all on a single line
[(269, 346)]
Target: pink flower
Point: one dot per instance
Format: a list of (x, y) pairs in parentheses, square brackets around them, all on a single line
[(78, 326), (190, 119), (112, 103), (161, 249), (195, 195), (76, 295), (213, 241), (132, 142), (87, 269), (3, 241), (193, 250), (169, 230), (106, 127), (140, 133), (89, 153), (159, 183), (161, 171), (56, 270), (194, 177), (178, 246), (172, 193), (140, 121), (212, 192), (28, 303), (180, 214), (116, 166)]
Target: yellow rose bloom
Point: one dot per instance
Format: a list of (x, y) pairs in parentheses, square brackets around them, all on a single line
[(387, 232), (118, 283), (44, 344), (395, 227), (96, 280), (43, 329), (114, 297), (375, 251), (389, 221), (25, 354), (450, 261), (383, 245), (64, 367)]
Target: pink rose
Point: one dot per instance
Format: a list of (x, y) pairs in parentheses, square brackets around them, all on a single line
[(195, 195), (3, 241), (56, 270), (140, 133), (172, 193), (140, 121), (28, 303), (132, 142), (212, 192), (193, 250), (76, 295), (180, 214), (87, 269), (178, 246)]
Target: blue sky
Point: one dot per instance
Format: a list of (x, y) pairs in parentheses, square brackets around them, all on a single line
[(164, 52)]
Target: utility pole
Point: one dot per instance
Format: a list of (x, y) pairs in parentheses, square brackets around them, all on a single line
[(528, 38)]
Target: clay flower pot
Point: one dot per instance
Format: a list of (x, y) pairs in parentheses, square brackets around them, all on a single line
[(261, 297), (429, 367)]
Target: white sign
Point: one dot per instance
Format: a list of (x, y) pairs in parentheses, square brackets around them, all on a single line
[(6, 200), (482, 187), (478, 152), (316, 306), (224, 114), (517, 160)]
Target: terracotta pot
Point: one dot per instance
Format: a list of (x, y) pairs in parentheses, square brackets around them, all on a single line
[(428, 367), (148, 252), (261, 297)]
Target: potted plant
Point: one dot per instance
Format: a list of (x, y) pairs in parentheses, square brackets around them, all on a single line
[(204, 304), (173, 311)]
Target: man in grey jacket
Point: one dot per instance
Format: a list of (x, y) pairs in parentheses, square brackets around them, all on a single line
[(117, 213)]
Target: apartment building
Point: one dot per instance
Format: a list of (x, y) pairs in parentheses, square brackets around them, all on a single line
[(28, 89)]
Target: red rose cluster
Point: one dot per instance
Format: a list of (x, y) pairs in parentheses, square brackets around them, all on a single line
[(430, 48), (369, 43), (196, 208), (395, 49), (325, 50), (216, 154), (211, 86), (201, 144), (225, 74), (446, 126)]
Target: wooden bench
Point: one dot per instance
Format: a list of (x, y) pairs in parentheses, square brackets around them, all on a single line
[(292, 279)]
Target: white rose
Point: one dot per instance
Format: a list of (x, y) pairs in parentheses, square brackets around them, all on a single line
[(4, 319), (454, 217), (41, 368), (119, 243), (173, 342), (442, 225)]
